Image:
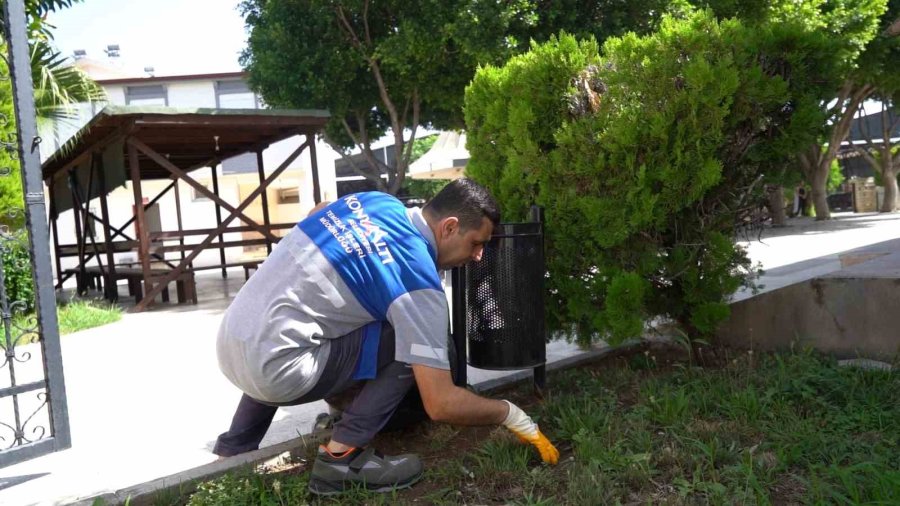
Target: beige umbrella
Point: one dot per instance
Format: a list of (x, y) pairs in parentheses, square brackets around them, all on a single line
[(446, 159)]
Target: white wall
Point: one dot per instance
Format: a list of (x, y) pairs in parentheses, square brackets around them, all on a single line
[(191, 94)]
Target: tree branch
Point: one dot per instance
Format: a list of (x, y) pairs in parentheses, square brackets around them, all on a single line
[(886, 127), (350, 132), (397, 124), (894, 123), (869, 158), (842, 127), (348, 28), (809, 160), (841, 98), (365, 148), (864, 130), (893, 30), (403, 162), (366, 23), (344, 156)]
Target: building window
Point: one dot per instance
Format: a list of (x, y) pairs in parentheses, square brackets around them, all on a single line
[(153, 94), (289, 196), (196, 196), (235, 95)]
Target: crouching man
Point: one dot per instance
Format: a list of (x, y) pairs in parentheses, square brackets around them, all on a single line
[(353, 295)]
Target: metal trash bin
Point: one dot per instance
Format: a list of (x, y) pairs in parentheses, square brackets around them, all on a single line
[(498, 303)]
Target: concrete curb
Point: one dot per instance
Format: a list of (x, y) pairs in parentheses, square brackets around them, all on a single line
[(185, 481)]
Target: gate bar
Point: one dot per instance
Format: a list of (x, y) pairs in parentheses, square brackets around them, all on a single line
[(38, 238)]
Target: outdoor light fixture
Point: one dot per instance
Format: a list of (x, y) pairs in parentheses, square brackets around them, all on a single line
[(149, 71), (79, 54), (112, 50)]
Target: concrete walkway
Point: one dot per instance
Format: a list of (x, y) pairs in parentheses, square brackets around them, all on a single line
[(146, 399), (806, 248)]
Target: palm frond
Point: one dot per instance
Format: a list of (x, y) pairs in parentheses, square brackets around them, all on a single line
[(59, 85)]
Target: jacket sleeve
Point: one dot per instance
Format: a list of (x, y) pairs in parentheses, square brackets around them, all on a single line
[(421, 320)]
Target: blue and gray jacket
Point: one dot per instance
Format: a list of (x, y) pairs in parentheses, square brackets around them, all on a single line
[(362, 260)]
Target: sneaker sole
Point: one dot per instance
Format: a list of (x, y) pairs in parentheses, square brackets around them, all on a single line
[(324, 488)]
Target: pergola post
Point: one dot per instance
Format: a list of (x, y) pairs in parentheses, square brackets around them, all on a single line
[(265, 198), (143, 234), (178, 217), (314, 167), (79, 236), (53, 228), (215, 182), (111, 289), (84, 204)]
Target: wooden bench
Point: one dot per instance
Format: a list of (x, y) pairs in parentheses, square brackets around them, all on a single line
[(248, 265), (185, 286)]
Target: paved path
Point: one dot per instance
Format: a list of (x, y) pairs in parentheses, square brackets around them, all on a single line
[(146, 399), (807, 249)]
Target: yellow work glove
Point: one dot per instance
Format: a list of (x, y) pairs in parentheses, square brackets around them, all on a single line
[(522, 426)]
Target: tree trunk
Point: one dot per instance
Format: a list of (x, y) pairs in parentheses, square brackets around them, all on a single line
[(819, 192), (776, 205), (816, 161), (889, 179)]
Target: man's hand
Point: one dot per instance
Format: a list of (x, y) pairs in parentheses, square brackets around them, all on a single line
[(446, 402), (528, 432)]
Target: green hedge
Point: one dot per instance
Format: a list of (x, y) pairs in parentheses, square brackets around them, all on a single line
[(640, 158)]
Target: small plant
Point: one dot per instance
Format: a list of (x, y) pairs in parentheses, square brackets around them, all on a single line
[(240, 489), (85, 314), (72, 317), (17, 278)]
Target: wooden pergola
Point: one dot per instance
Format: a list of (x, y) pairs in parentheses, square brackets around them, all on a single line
[(161, 143)]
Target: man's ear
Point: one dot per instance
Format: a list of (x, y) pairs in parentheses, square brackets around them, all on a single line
[(449, 226)]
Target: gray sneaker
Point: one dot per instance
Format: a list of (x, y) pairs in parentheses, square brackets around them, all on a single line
[(365, 467)]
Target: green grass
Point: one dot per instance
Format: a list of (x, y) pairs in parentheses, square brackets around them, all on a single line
[(81, 315), (778, 429), (72, 316)]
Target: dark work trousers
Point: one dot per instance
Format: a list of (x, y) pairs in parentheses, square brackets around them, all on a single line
[(367, 413)]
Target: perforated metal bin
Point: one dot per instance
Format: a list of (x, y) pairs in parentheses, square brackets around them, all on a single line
[(498, 303)]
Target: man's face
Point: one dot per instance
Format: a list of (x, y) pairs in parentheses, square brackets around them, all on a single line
[(457, 246)]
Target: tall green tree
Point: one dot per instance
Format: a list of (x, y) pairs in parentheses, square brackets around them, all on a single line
[(865, 60), (388, 67), (378, 67), (879, 152)]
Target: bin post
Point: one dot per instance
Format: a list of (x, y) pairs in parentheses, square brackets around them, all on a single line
[(536, 213), (458, 313)]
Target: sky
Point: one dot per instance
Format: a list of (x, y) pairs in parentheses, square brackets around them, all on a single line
[(172, 36)]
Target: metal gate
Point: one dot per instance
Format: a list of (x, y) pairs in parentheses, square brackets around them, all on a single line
[(33, 414)]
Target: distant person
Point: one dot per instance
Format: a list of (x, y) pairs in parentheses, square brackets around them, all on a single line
[(352, 295), (800, 201)]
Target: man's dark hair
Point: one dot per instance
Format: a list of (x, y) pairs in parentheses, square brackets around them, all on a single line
[(466, 200)]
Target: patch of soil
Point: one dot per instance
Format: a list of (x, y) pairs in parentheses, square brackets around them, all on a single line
[(436, 443), (789, 490)]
